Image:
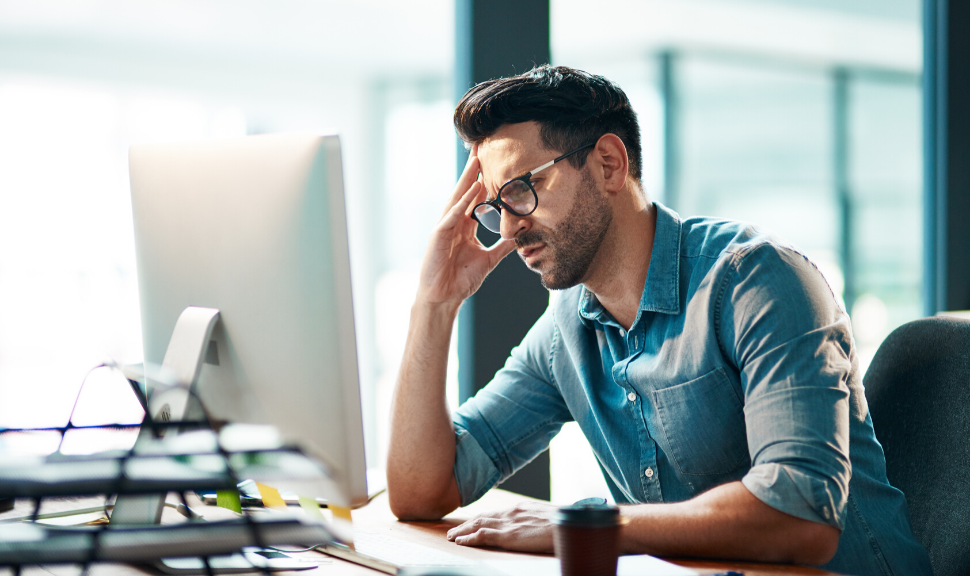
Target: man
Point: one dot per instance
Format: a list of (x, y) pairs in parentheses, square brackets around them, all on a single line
[(708, 363)]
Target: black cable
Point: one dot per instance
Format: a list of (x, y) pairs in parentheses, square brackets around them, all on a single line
[(195, 423), (310, 549), (120, 483), (94, 551), (189, 513), (74, 407), (234, 481), (252, 525)]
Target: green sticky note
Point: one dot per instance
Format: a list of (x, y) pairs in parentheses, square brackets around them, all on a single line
[(229, 499), (311, 507)]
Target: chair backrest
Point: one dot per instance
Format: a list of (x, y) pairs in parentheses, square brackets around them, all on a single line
[(918, 389)]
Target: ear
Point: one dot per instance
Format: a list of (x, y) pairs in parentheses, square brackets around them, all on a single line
[(610, 156)]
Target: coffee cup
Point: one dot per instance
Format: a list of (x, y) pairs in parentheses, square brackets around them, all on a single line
[(587, 539)]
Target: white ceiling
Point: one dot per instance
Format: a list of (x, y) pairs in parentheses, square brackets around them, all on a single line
[(338, 40), (356, 37)]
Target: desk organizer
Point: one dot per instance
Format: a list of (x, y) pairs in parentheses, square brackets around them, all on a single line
[(196, 458)]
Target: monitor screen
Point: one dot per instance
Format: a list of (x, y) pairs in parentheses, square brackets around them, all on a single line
[(256, 228)]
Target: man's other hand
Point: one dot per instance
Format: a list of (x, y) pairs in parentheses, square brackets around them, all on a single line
[(525, 528)]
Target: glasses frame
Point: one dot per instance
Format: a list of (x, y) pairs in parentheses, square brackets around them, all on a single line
[(498, 204)]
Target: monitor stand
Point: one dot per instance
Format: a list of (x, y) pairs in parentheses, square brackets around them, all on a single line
[(183, 361)]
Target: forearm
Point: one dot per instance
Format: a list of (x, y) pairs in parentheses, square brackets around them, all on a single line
[(421, 455), (726, 522)]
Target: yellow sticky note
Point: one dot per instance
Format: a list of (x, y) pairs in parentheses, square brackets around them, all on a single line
[(338, 512), (342, 525), (312, 508), (271, 496), (229, 499)]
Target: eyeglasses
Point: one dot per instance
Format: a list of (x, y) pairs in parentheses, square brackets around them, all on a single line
[(517, 196)]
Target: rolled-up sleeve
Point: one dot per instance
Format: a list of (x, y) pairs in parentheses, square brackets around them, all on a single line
[(474, 469), (511, 420), (791, 341)]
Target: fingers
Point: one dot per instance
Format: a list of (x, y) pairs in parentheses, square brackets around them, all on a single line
[(483, 537), (463, 206), (470, 527), (479, 531), (526, 529), (468, 176), (479, 198)]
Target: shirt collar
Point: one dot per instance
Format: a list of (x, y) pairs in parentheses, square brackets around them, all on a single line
[(660, 292)]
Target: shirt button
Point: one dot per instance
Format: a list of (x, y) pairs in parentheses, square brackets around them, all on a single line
[(622, 332), (632, 397), (648, 472)]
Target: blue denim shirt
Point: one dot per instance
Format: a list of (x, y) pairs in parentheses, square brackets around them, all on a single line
[(740, 365)]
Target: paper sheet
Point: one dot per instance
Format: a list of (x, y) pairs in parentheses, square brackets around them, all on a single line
[(640, 565)]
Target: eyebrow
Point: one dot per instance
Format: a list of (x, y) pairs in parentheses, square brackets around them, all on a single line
[(529, 172), (521, 174)]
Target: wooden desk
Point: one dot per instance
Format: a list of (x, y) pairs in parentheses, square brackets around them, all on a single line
[(377, 517)]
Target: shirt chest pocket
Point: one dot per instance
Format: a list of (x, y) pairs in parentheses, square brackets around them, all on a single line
[(703, 420)]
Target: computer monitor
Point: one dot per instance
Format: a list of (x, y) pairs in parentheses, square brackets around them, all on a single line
[(256, 228)]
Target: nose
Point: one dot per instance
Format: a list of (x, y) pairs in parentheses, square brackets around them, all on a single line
[(512, 225)]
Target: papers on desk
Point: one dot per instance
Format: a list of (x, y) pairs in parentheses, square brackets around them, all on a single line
[(88, 518), (640, 565)]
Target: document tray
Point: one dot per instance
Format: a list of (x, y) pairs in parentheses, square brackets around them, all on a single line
[(25, 543)]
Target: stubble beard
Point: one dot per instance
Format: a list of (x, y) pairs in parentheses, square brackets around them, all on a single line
[(573, 245)]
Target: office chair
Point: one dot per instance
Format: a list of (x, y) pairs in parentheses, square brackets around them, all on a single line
[(918, 389)]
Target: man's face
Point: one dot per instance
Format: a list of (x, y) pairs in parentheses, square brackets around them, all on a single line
[(561, 239)]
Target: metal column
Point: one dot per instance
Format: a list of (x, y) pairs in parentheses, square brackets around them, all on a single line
[(495, 38), (946, 125)]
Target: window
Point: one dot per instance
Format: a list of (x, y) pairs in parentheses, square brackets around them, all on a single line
[(79, 83), (800, 116)]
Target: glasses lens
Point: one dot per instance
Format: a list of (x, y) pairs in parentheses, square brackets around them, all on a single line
[(519, 196), (489, 217)]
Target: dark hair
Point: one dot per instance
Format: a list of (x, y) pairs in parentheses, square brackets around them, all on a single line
[(572, 107)]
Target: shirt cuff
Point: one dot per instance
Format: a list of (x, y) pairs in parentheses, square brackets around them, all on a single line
[(474, 470), (794, 492)]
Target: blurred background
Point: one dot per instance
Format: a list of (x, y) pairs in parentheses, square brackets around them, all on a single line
[(802, 116)]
